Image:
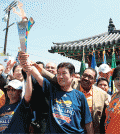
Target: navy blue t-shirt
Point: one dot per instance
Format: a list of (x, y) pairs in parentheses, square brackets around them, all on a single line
[(14, 120), (68, 111)]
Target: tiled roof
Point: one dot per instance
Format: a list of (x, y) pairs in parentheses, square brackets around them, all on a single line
[(74, 49), (101, 40)]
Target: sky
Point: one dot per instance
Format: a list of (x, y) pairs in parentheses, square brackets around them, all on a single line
[(58, 21)]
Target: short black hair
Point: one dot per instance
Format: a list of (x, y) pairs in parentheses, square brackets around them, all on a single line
[(102, 79), (116, 72), (39, 62), (92, 70), (67, 65)]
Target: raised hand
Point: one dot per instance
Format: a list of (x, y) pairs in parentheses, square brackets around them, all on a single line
[(9, 66), (24, 61), (23, 58), (28, 69)]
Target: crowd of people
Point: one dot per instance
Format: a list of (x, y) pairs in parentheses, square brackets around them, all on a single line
[(35, 98)]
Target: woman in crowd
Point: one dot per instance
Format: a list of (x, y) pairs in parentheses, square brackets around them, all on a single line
[(112, 123), (15, 116), (104, 84)]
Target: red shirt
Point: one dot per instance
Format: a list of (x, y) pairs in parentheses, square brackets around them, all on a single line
[(112, 122)]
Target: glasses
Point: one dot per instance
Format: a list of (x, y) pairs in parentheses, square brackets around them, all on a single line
[(117, 78), (11, 89), (89, 76)]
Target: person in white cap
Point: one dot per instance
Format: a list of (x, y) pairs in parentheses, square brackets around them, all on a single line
[(14, 90), (15, 116), (104, 71)]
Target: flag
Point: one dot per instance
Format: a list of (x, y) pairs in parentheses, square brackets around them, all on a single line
[(93, 63), (104, 57), (82, 68), (113, 65)]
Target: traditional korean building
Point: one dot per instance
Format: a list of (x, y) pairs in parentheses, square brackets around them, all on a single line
[(74, 49)]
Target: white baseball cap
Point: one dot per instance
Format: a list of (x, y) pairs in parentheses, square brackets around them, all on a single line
[(104, 68), (16, 84)]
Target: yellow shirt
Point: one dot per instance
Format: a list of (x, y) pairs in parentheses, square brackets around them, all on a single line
[(2, 98)]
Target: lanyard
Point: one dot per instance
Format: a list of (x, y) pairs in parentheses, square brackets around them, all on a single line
[(8, 118)]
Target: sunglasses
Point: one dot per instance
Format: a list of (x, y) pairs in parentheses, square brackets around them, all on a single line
[(11, 89), (117, 79), (89, 76)]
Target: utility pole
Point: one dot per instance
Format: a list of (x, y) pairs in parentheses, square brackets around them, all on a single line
[(7, 11)]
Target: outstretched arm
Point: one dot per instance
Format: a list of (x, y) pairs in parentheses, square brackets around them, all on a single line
[(37, 76), (23, 57), (5, 73), (9, 66), (27, 67), (49, 76), (28, 89)]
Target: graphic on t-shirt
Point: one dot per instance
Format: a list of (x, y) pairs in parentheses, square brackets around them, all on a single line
[(62, 111), (5, 120), (6, 115)]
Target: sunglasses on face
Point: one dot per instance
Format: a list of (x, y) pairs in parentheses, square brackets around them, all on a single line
[(89, 76), (11, 89), (117, 78)]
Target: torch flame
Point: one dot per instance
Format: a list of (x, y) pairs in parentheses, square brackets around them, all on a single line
[(22, 14)]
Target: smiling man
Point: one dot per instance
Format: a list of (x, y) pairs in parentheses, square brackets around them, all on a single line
[(97, 98), (51, 67), (68, 108), (64, 78)]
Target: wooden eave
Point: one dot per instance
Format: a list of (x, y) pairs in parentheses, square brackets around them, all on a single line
[(74, 49)]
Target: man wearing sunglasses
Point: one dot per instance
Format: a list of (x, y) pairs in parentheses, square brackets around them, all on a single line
[(97, 98)]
